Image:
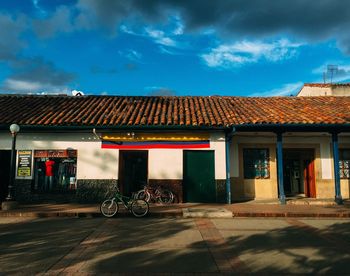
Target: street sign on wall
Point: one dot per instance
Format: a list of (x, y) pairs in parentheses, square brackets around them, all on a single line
[(24, 163)]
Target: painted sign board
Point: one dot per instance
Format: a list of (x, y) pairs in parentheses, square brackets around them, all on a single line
[(24, 163)]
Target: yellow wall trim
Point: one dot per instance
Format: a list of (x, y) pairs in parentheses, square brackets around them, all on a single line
[(155, 137)]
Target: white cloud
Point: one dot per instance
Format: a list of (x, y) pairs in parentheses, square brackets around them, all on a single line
[(151, 88), (160, 37), (244, 52), (38, 8), (127, 30), (285, 90), (179, 30), (159, 91), (21, 85), (26, 86), (131, 55)]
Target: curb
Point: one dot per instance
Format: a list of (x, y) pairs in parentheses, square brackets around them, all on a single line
[(47, 215), (291, 215), (83, 214), (174, 214)]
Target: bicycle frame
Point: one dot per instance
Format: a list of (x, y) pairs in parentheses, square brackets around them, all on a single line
[(154, 192), (122, 199), (137, 207)]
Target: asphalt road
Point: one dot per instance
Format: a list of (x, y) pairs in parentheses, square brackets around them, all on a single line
[(165, 245)]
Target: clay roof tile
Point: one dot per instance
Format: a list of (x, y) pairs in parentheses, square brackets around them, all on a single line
[(168, 111)]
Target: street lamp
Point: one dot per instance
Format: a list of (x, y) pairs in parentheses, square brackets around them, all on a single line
[(14, 128)]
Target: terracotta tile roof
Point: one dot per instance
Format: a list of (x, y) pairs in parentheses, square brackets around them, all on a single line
[(326, 84), (212, 111), (290, 110)]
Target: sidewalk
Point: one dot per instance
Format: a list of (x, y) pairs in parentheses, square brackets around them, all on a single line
[(249, 209)]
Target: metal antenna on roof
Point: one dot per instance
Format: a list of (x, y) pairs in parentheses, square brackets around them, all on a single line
[(332, 70)]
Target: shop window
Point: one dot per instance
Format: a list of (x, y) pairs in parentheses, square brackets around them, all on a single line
[(256, 163), (55, 170), (344, 163)]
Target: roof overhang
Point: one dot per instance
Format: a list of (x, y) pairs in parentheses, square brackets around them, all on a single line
[(146, 128), (50, 128), (294, 127)]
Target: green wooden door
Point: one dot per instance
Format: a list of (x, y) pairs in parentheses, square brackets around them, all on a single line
[(199, 176)]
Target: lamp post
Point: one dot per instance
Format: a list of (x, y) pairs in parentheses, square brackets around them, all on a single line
[(10, 202)]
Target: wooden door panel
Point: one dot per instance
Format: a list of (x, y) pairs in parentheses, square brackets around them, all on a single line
[(199, 176), (309, 178)]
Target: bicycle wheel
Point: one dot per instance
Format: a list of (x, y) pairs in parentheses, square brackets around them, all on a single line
[(139, 208), (109, 208), (142, 194), (166, 197)]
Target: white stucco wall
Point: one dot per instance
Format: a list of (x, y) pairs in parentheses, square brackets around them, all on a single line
[(168, 163), (340, 90), (308, 91), (96, 163), (92, 162), (217, 143), (326, 159), (165, 164)]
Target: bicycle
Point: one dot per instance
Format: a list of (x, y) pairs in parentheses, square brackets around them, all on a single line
[(110, 207), (157, 195)]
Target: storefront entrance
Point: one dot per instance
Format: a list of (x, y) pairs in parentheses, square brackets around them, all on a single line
[(133, 170), (199, 176), (299, 172), (55, 171), (5, 160)]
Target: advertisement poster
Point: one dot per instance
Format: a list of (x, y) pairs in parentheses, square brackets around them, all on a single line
[(24, 168)]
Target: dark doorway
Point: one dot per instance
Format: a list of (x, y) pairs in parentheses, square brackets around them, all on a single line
[(133, 171), (199, 176), (299, 172), (5, 160)]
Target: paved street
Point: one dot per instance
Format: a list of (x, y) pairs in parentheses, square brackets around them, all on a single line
[(165, 245)]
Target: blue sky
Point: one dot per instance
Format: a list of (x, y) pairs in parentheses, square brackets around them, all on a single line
[(167, 47)]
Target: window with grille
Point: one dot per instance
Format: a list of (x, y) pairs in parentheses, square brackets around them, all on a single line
[(256, 163), (344, 163)]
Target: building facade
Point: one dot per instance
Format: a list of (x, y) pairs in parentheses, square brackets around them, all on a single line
[(205, 149), (324, 89)]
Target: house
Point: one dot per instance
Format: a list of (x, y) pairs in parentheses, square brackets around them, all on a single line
[(205, 149), (324, 89)]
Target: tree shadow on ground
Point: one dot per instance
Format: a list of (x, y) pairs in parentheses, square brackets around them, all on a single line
[(32, 246), (149, 245), (35, 246), (286, 250), (295, 250)]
